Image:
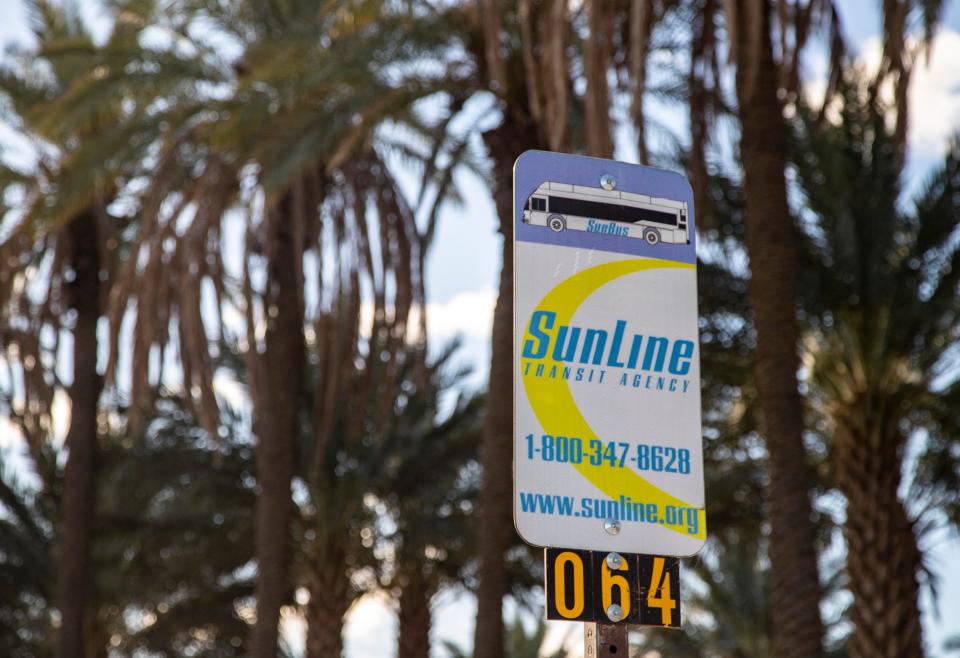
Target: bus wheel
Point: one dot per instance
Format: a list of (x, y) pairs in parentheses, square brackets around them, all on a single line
[(651, 236), (556, 223)]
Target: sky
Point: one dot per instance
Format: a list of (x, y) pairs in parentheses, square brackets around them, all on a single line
[(463, 267)]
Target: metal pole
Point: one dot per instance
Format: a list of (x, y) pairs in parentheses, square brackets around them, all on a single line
[(605, 641)]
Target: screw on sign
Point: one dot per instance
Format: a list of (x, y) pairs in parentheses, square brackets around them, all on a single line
[(614, 560)]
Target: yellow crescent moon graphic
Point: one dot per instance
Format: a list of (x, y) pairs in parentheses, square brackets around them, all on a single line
[(556, 409)]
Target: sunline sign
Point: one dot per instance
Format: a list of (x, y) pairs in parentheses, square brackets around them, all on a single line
[(607, 437)]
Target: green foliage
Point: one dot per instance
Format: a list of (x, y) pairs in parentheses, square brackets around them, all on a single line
[(175, 548), (430, 479), (396, 499), (882, 284), (25, 568), (172, 551)]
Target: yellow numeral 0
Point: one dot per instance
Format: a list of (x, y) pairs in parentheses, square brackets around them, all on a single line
[(560, 585)]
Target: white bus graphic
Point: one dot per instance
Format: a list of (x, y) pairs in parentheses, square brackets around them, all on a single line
[(561, 206)]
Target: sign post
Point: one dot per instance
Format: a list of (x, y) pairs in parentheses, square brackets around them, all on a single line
[(608, 460), (604, 640)]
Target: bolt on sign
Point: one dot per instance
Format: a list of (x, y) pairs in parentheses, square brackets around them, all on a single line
[(607, 437), (612, 588)]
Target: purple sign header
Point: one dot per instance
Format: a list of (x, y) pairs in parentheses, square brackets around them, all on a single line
[(591, 203)]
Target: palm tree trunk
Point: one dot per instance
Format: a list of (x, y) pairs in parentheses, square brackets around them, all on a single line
[(597, 56), (330, 597), (496, 532), (97, 637), (882, 554), (771, 244), (79, 485), (704, 38), (415, 619), (278, 429)]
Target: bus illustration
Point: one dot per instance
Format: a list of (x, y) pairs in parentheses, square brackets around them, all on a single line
[(561, 206)]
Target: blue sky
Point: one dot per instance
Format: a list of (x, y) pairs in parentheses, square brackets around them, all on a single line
[(462, 278)]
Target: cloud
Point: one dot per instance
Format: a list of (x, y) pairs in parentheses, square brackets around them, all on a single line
[(935, 101), (469, 314), (934, 91)]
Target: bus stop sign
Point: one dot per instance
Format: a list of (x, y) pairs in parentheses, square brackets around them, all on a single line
[(607, 452)]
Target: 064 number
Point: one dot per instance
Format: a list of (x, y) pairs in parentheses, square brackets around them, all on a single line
[(581, 586)]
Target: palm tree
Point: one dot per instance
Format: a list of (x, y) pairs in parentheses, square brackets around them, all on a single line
[(272, 135), (167, 502), (359, 369), (771, 246), (297, 67), (882, 275), (167, 290), (338, 522), (759, 78), (99, 115), (433, 542), (597, 61), (26, 568), (175, 536), (68, 232), (535, 103), (496, 533)]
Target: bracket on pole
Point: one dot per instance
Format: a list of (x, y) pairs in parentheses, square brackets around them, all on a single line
[(605, 641)]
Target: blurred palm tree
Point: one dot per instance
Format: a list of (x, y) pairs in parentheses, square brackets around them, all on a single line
[(26, 567), (97, 113), (768, 80), (355, 521), (59, 253), (172, 545), (771, 246), (430, 484), (534, 96), (276, 134), (881, 284), (313, 83)]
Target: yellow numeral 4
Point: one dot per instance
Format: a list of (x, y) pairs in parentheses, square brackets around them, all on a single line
[(660, 584)]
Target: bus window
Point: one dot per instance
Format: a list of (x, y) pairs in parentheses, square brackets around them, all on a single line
[(610, 211), (539, 203)]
